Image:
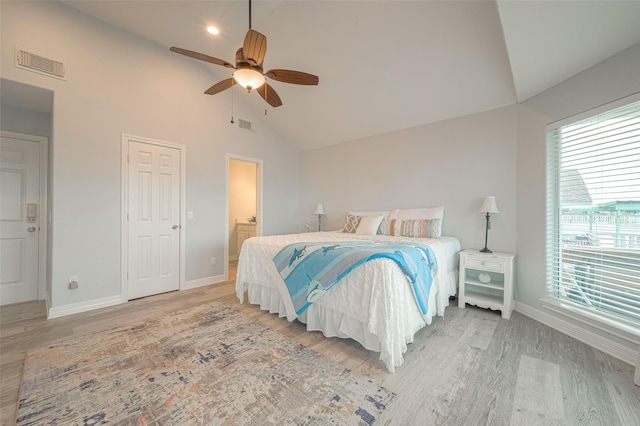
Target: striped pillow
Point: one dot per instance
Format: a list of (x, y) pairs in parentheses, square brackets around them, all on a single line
[(351, 224), (387, 227), (429, 228)]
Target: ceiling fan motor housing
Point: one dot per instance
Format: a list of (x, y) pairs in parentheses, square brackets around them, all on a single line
[(243, 62)]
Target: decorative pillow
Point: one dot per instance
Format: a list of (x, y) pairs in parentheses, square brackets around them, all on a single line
[(387, 227), (351, 224), (431, 228), (369, 225), (424, 213)]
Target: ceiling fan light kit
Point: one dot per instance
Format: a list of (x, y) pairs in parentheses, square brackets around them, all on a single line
[(249, 69), (248, 78)]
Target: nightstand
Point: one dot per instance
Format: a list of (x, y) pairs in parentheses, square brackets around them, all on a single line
[(486, 280), (245, 230)]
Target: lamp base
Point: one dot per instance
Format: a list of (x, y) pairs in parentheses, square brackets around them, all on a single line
[(486, 236)]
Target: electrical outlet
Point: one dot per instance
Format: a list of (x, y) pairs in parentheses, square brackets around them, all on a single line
[(213, 261), (73, 282)]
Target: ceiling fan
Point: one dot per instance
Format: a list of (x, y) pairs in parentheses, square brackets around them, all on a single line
[(249, 68)]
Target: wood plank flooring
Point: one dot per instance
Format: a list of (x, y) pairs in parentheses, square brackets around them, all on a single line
[(469, 368)]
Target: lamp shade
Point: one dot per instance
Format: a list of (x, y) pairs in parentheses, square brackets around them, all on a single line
[(489, 205), (319, 209), (248, 78)]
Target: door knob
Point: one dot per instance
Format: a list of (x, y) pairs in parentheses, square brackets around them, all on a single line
[(175, 227), (31, 229)]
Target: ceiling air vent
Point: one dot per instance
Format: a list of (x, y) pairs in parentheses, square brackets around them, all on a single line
[(246, 125), (39, 64)]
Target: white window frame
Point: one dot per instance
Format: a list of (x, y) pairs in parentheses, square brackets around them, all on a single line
[(613, 325)]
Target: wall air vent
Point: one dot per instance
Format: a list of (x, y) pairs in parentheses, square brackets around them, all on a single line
[(246, 125), (39, 64)]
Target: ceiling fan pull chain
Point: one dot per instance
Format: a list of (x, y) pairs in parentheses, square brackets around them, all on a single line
[(232, 101)]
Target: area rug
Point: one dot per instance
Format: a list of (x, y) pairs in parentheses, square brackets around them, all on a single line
[(205, 365)]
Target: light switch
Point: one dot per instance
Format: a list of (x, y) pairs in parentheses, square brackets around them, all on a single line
[(189, 215)]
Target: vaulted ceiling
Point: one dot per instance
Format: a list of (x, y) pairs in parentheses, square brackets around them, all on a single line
[(389, 65)]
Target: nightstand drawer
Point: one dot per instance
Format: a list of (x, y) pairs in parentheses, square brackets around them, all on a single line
[(484, 264)]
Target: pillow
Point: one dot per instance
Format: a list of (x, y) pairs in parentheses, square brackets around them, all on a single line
[(387, 227), (430, 228), (351, 224), (384, 213), (420, 213), (424, 213), (369, 225)]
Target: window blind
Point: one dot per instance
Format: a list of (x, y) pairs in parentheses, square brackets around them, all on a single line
[(593, 213)]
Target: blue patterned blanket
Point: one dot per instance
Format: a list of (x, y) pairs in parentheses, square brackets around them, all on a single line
[(309, 269)]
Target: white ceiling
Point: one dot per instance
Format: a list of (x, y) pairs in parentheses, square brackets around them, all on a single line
[(389, 65), (550, 41)]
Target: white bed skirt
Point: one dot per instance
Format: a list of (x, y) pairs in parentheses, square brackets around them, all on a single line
[(330, 322)]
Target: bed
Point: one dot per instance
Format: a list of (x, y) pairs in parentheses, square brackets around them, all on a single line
[(374, 304)]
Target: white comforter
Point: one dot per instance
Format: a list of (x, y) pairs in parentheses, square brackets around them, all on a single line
[(374, 304)]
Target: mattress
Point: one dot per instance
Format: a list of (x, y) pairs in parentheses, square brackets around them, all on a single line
[(373, 305)]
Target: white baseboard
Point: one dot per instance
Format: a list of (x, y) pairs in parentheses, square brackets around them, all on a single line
[(200, 282), (76, 308), (89, 305), (616, 350)]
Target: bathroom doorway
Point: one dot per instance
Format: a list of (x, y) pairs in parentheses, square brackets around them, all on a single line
[(244, 205)]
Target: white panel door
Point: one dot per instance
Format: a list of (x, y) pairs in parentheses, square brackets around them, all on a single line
[(154, 219), (19, 186)]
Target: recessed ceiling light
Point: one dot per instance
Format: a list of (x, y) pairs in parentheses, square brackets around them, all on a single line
[(213, 30)]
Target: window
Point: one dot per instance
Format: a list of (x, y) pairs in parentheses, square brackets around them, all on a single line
[(593, 214)]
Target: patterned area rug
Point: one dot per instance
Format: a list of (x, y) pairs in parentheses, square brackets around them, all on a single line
[(209, 364)]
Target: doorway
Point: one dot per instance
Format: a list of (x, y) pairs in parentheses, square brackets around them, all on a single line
[(153, 212), (244, 205)]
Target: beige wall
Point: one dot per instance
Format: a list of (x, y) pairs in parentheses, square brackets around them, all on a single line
[(23, 121), (453, 163)]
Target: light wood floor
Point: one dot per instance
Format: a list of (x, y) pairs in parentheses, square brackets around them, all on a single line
[(469, 368)]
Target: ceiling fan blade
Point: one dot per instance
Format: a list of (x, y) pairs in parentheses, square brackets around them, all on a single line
[(293, 77), (271, 97), (219, 87), (201, 57), (255, 46)]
